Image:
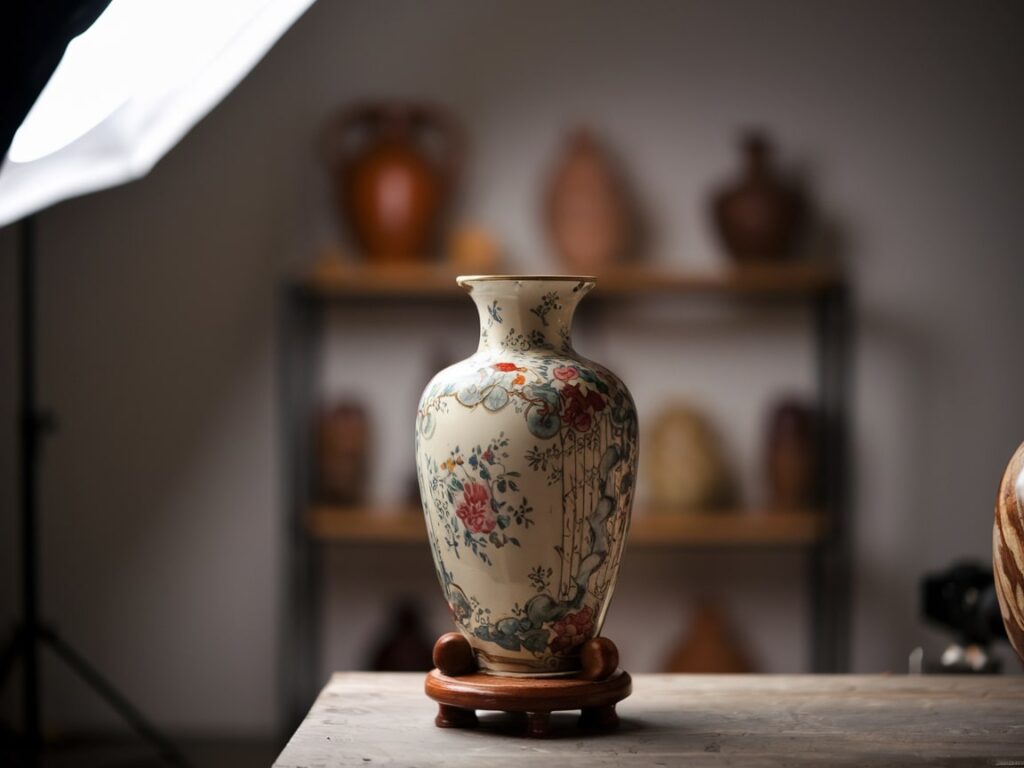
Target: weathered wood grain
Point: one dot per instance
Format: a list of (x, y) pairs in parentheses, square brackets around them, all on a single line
[(371, 719)]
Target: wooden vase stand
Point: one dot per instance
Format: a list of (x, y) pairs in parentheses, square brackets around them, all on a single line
[(460, 690)]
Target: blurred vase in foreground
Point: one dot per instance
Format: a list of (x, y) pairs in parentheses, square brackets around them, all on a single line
[(586, 208), (526, 455), (343, 447), (758, 216), (394, 168), (688, 471), (791, 455), (1008, 550)]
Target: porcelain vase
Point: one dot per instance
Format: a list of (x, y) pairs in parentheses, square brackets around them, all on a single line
[(526, 455)]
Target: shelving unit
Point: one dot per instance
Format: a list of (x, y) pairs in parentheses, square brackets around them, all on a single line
[(820, 533)]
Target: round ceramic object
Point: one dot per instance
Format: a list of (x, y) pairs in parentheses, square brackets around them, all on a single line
[(526, 455), (1008, 550)]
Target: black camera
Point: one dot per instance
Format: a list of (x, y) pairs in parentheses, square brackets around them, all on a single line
[(963, 598)]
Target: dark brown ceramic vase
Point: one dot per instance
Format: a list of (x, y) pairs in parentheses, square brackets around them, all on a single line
[(758, 217), (791, 452), (394, 168)]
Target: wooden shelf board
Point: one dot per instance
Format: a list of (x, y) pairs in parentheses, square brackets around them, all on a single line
[(435, 281), (648, 529)]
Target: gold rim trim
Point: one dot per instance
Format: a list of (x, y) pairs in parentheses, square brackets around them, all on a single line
[(466, 280)]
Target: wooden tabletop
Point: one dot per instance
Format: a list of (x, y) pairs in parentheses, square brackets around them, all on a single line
[(370, 719)]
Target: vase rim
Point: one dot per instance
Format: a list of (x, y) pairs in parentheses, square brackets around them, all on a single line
[(464, 280)]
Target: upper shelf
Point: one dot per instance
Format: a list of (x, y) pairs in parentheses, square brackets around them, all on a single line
[(340, 280)]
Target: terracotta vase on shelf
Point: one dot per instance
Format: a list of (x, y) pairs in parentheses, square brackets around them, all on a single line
[(526, 455), (394, 167), (709, 646), (405, 645), (758, 217), (791, 455), (586, 211), (1008, 550), (343, 453)]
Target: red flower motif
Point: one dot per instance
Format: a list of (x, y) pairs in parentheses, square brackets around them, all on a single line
[(488, 456), (566, 373), (475, 509), (572, 630), (577, 407), (505, 367)]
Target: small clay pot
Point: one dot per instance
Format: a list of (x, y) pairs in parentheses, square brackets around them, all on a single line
[(791, 456), (343, 443), (759, 216)]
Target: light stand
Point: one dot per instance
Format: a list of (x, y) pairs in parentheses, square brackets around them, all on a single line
[(30, 634)]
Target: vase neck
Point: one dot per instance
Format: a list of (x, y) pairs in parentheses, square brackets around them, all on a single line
[(523, 314)]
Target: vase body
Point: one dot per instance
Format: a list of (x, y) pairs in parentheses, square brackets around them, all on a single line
[(526, 455)]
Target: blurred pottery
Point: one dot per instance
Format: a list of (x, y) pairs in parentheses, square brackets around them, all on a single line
[(1008, 550), (473, 249), (394, 168), (710, 646), (687, 467), (406, 645), (791, 450), (758, 216), (526, 455), (586, 210), (343, 443)]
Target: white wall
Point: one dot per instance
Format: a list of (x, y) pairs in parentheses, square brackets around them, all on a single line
[(162, 490)]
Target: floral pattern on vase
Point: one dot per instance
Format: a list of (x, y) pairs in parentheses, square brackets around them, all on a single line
[(526, 456)]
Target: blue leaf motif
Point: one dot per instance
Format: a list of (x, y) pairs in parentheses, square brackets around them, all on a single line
[(543, 423), (470, 395), (544, 392), (496, 399), (536, 640)]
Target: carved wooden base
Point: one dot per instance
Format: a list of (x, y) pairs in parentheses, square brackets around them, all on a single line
[(459, 690)]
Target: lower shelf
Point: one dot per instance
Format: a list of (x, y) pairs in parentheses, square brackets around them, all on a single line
[(742, 528)]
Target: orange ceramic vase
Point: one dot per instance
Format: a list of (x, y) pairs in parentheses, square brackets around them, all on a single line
[(394, 169)]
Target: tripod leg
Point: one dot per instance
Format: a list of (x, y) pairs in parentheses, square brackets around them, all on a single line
[(12, 650), (115, 699)]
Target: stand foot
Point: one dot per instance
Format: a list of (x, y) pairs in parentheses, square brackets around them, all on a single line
[(599, 718), (455, 717), (538, 724)]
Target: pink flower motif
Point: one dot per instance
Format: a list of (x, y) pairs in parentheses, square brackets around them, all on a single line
[(475, 509), (572, 630), (566, 373)]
